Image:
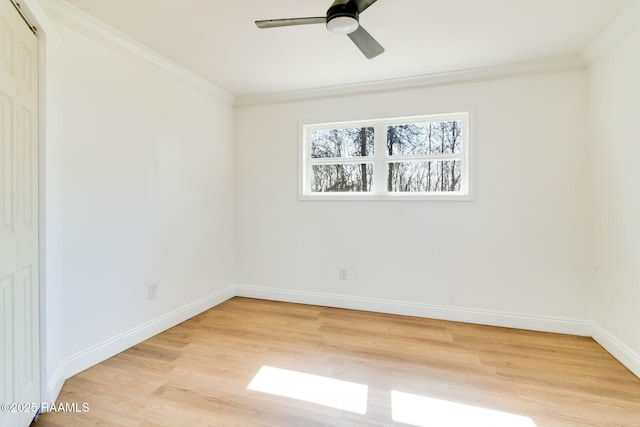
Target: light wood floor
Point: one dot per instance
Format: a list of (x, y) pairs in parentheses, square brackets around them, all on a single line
[(197, 373)]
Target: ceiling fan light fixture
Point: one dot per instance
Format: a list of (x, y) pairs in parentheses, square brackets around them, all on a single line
[(343, 17), (342, 24)]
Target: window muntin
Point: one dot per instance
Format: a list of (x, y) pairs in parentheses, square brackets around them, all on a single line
[(415, 157)]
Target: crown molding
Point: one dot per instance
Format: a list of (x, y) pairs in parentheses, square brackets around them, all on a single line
[(86, 24), (628, 21), (566, 63)]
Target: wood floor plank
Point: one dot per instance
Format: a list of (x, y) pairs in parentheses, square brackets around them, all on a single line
[(198, 373)]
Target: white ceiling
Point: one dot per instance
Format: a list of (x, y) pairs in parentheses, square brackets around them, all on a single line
[(218, 39)]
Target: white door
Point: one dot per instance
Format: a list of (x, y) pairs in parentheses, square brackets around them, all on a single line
[(19, 335)]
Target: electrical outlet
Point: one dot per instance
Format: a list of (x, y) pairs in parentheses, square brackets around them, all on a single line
[(343, 274), (152, 290)]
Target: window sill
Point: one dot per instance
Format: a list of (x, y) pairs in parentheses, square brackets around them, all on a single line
[(436, 197)]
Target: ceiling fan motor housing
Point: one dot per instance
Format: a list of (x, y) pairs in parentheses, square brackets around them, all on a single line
[(342, 18)]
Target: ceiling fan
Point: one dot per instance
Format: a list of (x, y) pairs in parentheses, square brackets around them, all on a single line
[(342, 18)]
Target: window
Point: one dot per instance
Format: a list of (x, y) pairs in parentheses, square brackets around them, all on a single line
[(414, 157)]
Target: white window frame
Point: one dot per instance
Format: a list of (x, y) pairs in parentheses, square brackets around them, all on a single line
[(381, 159)]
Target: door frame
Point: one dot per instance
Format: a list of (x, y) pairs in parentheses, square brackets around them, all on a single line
[(34, 16)]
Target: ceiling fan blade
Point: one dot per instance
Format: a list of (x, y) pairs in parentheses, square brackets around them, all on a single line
[(273, 23), (361, 5), (367, 44)]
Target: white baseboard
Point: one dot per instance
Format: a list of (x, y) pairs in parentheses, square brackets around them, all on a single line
[(624, 354), (457, 314), (102, 351)]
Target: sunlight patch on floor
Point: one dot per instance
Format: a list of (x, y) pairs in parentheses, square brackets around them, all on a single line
[(429, 412), (325, 391)]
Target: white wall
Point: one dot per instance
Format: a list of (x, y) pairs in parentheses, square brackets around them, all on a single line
[(521, 247), (139, 189), (147, 192), (615, 100)]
